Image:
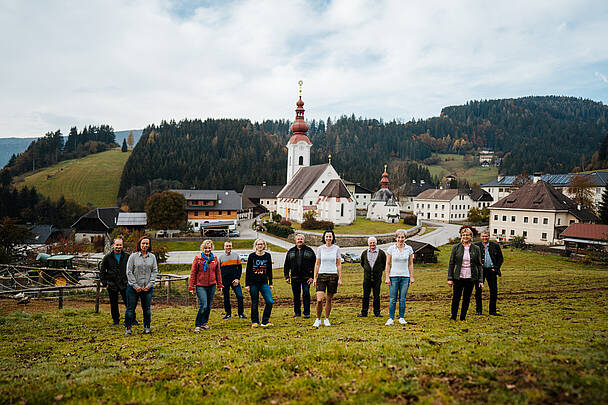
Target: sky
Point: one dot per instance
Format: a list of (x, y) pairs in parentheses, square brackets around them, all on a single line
[(133, 63)]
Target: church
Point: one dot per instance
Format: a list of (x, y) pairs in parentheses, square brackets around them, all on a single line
[(316, 188)]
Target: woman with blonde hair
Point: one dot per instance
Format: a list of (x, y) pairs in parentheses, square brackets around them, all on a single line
[(399, 275), (464, 272), (258, 279), (205, 277)]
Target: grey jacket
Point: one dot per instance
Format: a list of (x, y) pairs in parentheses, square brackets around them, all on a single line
[(142, 271), (456, 263)]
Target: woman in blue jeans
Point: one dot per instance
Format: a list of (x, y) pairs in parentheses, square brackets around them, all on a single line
[(142, 270), (258, 279), (205, 277), (399, 275)]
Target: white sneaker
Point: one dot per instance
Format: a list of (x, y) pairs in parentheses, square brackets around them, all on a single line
[(326, 322), (317, 323), (402, 321), (389, 322), (197, 329)]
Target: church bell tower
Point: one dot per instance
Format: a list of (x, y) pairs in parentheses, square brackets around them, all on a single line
[(298, 147)]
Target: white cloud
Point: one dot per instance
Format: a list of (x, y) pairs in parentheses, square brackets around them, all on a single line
[(133, 63), (601, 77)]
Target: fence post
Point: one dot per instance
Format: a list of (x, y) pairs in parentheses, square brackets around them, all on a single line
[(60, 298), (97, 293), (168, 290), (187, 291)]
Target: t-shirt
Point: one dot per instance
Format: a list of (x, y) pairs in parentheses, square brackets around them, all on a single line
[(465, 269), (400, 260), (231, 267), (328, 256), (259, 269)]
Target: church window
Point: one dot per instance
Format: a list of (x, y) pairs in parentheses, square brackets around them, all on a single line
[(301, 160), (341, 210)]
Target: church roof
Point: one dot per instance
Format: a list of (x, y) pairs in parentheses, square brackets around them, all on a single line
[(302, 181), (384, 194), (335, 188)]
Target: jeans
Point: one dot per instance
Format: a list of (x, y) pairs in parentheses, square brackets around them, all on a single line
[(146, 301), (297, 285), (399, 285), (113, 295), (205, 298), (491, 277), (239, 298), (371, 287), (255, 290), (464, 288)]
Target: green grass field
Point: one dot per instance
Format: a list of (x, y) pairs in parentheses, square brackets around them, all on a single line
[(455, 165), (362, 226), (550, 347), (195, 245), (93, 179)]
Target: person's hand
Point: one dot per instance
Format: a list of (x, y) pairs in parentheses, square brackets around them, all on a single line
[(450, 282), (288, 280), (480, 285), (248, 288), (493, 269), (270, 287), (309, 281), (339, 282), (388, 281), (411, 280), (235, 282), (139, 289), (146, 289), (314, 282), (192, 292)]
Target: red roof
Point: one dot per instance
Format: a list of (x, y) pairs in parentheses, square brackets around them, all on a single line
[(586, 231)]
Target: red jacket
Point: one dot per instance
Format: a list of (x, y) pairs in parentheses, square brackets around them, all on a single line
[(200, 277)]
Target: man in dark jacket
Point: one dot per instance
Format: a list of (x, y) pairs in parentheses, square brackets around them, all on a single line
[(491, 258), (299, 271), (373, 261), (113, 276)]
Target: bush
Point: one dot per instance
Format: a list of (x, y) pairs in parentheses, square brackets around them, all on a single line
[(286, 222), (282, 231), (314, 224), (276, 217), (518, 242), (410, 219)]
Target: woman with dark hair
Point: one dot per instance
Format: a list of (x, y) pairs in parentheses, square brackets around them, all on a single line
[(258, 280), (328, 275), (464, 272), (142, 270), (205, 277)]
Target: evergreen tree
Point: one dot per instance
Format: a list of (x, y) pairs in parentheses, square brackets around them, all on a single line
[(603, 208), (124, 146)]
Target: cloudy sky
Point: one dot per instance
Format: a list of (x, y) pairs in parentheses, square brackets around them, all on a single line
[(132, 63)]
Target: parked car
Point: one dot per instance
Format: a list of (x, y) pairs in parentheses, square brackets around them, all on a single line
[(234, 234), (351, 257), (161, 234)]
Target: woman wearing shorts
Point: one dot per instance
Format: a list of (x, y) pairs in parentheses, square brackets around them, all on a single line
[(328, 275)]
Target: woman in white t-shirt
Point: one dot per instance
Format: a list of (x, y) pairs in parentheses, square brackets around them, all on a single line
[(399, 275), (328, 275)]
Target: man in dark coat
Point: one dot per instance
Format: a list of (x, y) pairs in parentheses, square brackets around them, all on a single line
[(299, 271), (373, 261), (113, 276), (491, 258)]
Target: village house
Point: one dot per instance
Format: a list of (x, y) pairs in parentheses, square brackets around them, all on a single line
[(132, 221), (99, 222), (362, 195), (536, 211), (383, 205), (212, 208), (264, 195), (409, 192), (443, 205), (581, 237)]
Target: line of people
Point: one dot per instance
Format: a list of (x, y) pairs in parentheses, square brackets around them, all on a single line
[(132, 276)]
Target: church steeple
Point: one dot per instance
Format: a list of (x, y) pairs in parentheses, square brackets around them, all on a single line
[(298, 147), (384, 180)]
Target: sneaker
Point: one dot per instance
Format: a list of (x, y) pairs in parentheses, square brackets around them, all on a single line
[(326, 322), (127, 331), (197, 329), (254, 325), (390, 322), (241, 316), (317, 323), (402, 321), (227, 316), (147, 330), (205, 326), (265, 325)]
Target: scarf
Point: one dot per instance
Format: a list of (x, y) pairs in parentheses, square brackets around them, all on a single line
[(207, 260)]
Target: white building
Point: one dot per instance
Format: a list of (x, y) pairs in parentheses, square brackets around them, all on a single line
[(362, 195), (383, 205), (443, 205)]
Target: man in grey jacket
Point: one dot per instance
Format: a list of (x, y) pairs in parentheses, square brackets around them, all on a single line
[(373, 261)]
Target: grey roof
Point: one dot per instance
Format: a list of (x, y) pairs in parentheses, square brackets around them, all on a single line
[(417, 246), (480, 195), (412, 190), (132, 219), (335, 188), (302, 181), (41, 233), (106, 217), (358, 188), (438, 194), (250, 191), (542, 196), (228, 200), (600, 178), (384, 194)]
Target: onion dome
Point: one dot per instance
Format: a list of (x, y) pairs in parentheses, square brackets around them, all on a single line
[(299, 127)]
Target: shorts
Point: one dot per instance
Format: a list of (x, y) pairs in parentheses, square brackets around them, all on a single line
[(327, 282)]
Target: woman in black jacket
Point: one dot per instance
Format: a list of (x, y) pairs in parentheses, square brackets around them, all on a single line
[(464, 272)]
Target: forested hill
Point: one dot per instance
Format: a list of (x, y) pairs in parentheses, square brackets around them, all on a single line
[(550, 134)]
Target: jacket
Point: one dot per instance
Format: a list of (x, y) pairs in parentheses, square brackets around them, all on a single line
[(200, 277), (307, 267), (456, 263), (495, 255), (369, 274), (142, 271), (113, 274)]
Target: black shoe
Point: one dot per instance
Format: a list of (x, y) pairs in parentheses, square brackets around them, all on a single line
[(479, 313), (227, 316), (378, 315), (362, 315), (496, 314), (241, 316), (306, 316), (296, 315)]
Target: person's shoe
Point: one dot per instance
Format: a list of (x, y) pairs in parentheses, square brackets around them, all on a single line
[(227, 316), (254, 325), (127, 331), (378, 315), (362, 315), (326, 322), (197, 329), (389, 322), (306, 316), (296, 315), (147, 330), (205, 326), (241, 316), (265, 325), (496, 314), (402, 321), (479, 313), (317, 323)]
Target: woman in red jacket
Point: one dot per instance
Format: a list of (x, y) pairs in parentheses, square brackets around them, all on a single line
[(205, 276)]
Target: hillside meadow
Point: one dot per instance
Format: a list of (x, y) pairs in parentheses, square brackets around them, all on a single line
[(550, 347), (451, 163), (92, 180)]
